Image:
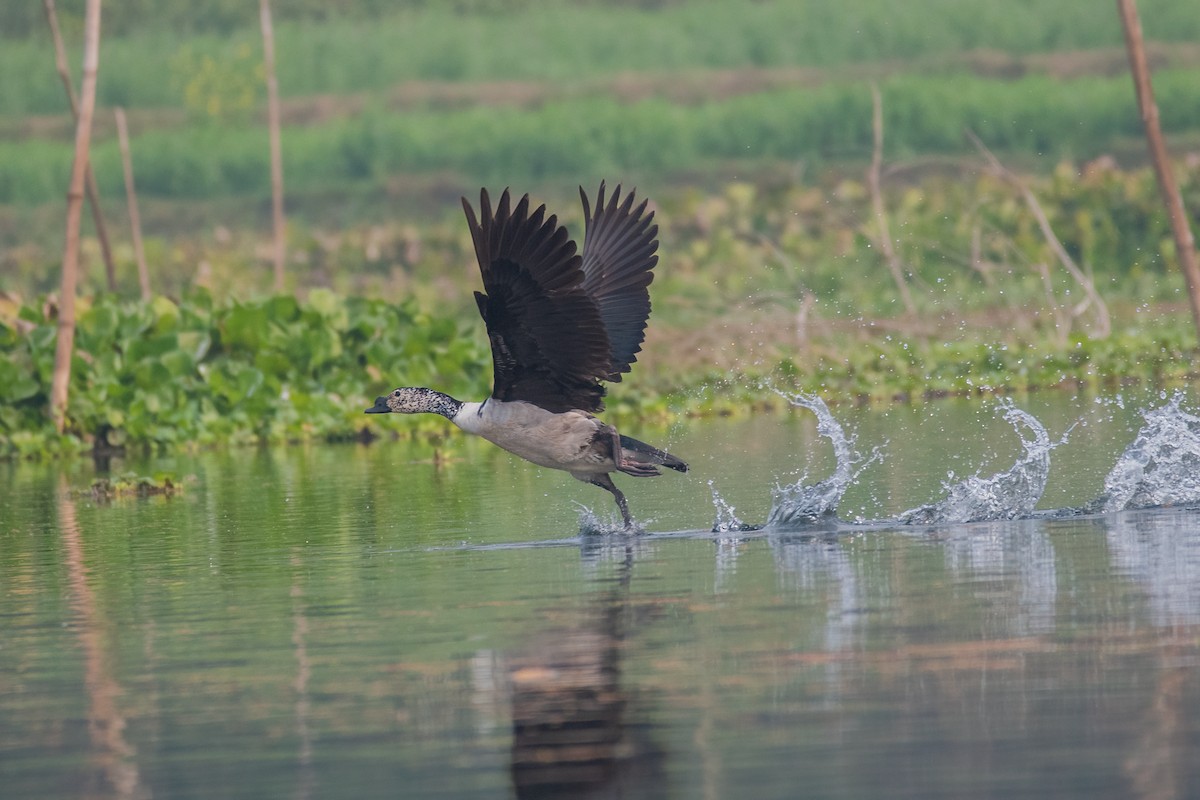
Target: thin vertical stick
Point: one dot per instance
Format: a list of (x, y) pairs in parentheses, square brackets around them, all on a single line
[(1185, 244), (885, 235), (60, 61), (70, 265), (276, 148), (135, 220)]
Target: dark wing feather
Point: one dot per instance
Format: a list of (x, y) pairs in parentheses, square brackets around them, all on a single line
[(548, 341), (618, 256)]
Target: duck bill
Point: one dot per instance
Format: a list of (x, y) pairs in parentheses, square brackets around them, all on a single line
[(380, 407)]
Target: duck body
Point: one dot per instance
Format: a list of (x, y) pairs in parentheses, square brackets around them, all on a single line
[(559, 324), (564, 440)]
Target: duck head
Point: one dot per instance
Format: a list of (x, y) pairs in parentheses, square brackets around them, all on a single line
[(415, 400)]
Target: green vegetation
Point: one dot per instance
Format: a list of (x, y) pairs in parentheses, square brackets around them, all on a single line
[(749, 125), (593, 136), (438, 91), (198, 373), (203, 370), (130, 484), (194, 375), (373, 46)]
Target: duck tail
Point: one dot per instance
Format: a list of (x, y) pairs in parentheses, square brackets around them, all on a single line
[(644, 455)]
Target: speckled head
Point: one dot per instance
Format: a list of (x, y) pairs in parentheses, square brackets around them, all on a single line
[(416, 400)]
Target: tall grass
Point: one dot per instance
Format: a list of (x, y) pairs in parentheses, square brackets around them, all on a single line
[(567, 41), (589, 137)]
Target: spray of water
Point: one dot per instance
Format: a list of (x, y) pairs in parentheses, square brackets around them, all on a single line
[(801, 503), (592, 524), (1161, 466), (726, 520), (1006, 495)]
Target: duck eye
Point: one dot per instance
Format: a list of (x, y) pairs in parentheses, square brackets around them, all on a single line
[(396, 393)]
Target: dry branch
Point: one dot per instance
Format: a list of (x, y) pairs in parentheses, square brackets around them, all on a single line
[(276, 147), (135, 220), (1103, 323), (1185, 244), (64, 73), (884, 238), (65, 344)]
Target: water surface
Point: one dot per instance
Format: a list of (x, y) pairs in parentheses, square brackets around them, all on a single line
[(362, 621)]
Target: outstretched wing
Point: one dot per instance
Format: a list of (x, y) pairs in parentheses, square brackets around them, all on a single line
[(549, 346), (618, 256)]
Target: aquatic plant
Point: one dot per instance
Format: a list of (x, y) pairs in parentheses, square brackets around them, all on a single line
[(131, 484), (197, 373)]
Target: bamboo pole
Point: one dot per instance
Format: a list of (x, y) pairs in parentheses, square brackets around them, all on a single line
[(277, 220), (70, 264), (135, 220), (1185, 243), (93, 194)]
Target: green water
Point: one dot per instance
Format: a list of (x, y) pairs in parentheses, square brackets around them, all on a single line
[(359, 622)]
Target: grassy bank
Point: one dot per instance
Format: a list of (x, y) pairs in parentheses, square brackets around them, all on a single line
[(372, 47), (591, 136)]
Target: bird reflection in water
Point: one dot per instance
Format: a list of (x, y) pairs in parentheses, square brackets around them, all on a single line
[(575, 732)]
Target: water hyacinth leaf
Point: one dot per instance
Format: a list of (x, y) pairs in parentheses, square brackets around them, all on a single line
[(195, 343), (320, 346), (154, 347), (244, 326), (8, 337), (328, 305), (274, 363), (166, 313), (133, 322), (151, 374), (178, 363), (97, 325), (234, 382), (281, 308), (198, 302), (17, 382), (10, 420), (147, 407), (42, 338)]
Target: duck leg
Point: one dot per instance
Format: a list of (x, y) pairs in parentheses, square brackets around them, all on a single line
[(604, 481)]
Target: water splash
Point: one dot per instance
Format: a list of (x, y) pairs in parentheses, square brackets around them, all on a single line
[(1006, 495), (592, 524), (1161, 466), (800, 503), (726, 519)]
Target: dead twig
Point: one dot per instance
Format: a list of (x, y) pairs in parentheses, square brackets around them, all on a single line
[(1103, 324), (135, 221), (807, 301), (884, 236)]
